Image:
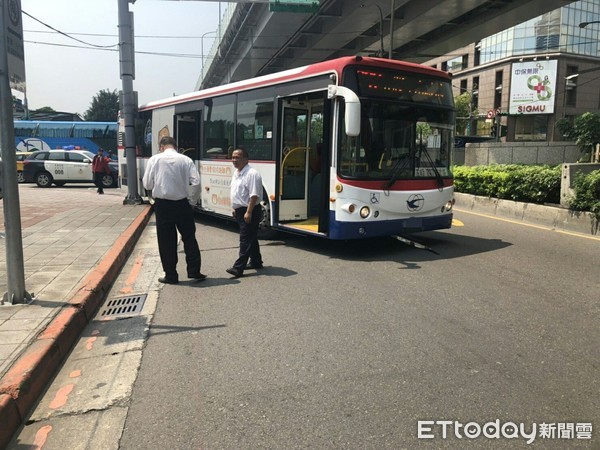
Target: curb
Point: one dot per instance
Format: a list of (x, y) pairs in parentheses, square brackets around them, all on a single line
[(549, 216), (23, 383)]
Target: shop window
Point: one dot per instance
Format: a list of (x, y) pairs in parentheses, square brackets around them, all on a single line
[(531, 128), (571, 86), (475, 93), (498, 90)]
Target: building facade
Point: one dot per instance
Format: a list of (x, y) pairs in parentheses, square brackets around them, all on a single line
[(520, 81)]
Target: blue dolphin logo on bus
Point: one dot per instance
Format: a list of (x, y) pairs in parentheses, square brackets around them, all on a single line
[(415, 202)]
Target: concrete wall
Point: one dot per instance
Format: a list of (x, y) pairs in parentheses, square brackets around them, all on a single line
[(485, 153), (569, 173), (547, 216)]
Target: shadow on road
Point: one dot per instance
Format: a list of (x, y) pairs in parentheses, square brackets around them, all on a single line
[(444, 245)]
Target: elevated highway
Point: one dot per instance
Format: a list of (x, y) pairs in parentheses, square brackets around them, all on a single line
[(256, 41)]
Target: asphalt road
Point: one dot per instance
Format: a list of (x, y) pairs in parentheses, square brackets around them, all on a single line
[(350, 345)]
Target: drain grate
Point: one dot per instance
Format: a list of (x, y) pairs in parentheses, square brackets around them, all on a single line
[(125, 306)]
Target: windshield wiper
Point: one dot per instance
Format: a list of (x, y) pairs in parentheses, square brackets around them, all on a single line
[(400, 164), (438, 176)]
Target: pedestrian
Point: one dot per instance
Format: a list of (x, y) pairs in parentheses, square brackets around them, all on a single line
[(169, 175), (246, 190), (99, 168)]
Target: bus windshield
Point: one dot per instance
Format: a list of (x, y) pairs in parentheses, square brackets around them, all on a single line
[(406, 125), (398, 141)]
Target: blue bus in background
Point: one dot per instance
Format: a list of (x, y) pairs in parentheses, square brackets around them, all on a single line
[(32, 135)]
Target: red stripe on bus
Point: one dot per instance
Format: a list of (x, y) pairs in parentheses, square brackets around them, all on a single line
[(399, 185)]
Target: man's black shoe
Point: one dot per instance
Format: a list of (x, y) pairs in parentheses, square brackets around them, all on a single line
[(254, 266), (198, 277), (233, 271), (167, 280)]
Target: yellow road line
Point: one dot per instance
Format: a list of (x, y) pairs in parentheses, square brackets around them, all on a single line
[(539, 227)]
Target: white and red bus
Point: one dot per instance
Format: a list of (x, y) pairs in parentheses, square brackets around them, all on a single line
[(351, 148)]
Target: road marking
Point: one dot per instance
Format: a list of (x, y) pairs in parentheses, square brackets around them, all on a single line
[(41, 437), (89, 344), (133, 275), (539, 227), (457, 223), (61, 396)]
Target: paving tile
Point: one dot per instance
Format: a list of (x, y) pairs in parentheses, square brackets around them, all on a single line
[(14, 336), (7, 311), (32, 311), (21, 324)]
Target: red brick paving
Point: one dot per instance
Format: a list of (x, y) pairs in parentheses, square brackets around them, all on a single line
[(39, 204)]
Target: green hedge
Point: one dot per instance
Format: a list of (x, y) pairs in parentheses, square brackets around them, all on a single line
[(587, 193), (523, 183)]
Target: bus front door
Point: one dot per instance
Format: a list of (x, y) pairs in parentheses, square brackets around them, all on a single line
[(293, 164)]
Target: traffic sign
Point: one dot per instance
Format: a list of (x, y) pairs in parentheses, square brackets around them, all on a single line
[(14, 44), (299, 6)]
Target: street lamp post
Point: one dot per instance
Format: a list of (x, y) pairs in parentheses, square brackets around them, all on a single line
[(392, 14), (202, 53), (585, 24), (381, 51)]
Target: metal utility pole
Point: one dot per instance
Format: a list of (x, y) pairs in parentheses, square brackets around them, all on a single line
[(393, 13), (15, 270), (127, 68)]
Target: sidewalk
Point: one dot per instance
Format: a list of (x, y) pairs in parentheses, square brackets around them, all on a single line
[(74, 244)]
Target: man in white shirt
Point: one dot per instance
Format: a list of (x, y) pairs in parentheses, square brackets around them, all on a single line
[(246, 191), (169, 175)]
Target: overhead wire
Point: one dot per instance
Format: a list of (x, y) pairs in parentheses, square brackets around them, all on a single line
[(67, 35)]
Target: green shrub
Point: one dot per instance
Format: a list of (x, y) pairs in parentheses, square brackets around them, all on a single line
[(523, 183), (587, 193)]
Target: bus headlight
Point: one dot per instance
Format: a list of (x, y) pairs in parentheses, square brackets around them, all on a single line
[(364, 212), (349, 207), (449, 205)]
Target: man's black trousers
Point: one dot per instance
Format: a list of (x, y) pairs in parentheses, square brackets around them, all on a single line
[(173, 216), (249, 248), (98, 181)]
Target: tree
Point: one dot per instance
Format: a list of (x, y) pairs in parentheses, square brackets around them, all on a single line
[(104, 107), (584, 130), (44, 109), (464, 112)]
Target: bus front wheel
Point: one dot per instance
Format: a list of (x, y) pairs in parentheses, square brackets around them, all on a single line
[(265, 231)]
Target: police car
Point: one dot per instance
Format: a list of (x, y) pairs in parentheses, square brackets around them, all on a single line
[(64, 166)]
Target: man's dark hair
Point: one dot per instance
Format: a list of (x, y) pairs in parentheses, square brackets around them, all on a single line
[(243, 151), (168, 140)]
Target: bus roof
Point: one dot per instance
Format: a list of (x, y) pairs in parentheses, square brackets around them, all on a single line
[(335, 66)]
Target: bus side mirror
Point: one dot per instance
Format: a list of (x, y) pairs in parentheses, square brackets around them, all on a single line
[(352, 115)]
